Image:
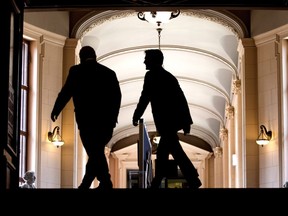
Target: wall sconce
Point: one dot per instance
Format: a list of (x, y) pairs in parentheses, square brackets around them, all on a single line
[(158, 17), (55, 137), (264, 136)]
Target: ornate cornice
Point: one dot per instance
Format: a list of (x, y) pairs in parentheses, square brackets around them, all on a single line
[(95, 18)]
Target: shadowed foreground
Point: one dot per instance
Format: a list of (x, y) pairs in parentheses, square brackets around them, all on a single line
[(116, 200)]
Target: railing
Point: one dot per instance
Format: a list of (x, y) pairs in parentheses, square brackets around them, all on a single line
[(144, 156)]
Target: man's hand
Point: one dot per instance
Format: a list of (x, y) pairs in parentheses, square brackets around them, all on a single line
[(135, 122), (186, 129), (53, 117)]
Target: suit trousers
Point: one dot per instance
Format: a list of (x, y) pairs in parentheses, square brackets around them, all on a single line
[(94, 141), (169, 144)]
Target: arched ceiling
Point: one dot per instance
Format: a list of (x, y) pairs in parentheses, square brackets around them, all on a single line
[(200, 49)]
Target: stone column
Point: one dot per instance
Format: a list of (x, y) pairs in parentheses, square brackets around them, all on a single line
[(225, 156), (218, 176), (72, 150), (238, 133), (231, 144)]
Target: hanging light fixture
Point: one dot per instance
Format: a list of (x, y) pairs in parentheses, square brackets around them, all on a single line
[(264, 136), (159, 37), (55, 137), (158, 17)]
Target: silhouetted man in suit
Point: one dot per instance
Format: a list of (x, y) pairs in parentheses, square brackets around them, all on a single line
[(171, 113), (97, 97)]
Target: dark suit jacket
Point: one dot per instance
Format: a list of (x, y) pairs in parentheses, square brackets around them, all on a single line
[(96, 95), (168, 103)]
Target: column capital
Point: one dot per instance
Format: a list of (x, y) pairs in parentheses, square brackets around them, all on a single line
[(218, 152), (107, 150), (229, 111), (236, 86), (223, 134)]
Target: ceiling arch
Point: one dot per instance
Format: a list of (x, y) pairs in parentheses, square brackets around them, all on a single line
[(200, 49)]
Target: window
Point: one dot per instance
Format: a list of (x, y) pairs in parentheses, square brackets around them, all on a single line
[(24, 109)]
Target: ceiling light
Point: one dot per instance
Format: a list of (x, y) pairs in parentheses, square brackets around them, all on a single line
[(158, 17)]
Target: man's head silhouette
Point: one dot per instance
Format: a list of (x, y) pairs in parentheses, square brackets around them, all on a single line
[(86, 53)]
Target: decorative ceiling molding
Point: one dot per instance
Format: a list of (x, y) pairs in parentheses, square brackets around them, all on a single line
[(94, 18), (205, 135), (88, 22)]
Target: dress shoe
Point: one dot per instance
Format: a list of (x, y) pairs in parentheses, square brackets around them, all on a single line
[(105, 185)]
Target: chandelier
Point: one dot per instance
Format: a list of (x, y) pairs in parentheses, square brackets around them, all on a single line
[(158, 18)]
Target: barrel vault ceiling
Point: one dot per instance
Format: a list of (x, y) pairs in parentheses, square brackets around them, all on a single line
[(200, 49)]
